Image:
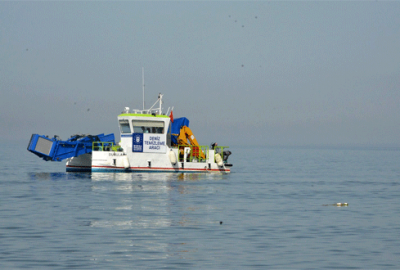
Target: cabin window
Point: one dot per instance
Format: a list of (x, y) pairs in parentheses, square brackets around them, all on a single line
[(140, 126), (124, 125)]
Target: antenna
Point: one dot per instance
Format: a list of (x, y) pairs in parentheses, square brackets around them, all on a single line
[(143, 85)]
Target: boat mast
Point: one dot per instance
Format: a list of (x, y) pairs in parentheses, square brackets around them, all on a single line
[(160, 98), (143, 85)]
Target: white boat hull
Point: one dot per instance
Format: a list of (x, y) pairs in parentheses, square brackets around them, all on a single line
[(110, 161)]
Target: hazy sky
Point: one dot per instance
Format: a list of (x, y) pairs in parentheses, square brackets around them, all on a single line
[(270, 73)]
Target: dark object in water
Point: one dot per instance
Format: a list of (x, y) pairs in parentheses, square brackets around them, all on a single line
[(337, 204)]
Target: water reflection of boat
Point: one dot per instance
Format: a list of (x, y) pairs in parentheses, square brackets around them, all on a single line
[(141, 205)]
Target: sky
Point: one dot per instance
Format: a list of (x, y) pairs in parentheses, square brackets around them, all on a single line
[(288, 73)]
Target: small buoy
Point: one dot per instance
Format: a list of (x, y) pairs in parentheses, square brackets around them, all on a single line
[(220, 223)]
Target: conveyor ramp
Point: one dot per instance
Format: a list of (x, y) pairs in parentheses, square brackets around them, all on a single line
[(57, 150)]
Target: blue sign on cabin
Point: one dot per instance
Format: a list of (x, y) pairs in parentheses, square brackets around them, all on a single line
[(137, 143)]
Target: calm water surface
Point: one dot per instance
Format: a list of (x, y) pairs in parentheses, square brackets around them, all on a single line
[(276, 209)]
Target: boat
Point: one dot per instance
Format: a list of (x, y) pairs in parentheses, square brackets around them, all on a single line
[(150, 141)]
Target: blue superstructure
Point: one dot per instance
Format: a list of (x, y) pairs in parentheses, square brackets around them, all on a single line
[(57, 150)]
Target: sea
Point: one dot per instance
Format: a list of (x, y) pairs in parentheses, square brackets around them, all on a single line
[(277, 209)]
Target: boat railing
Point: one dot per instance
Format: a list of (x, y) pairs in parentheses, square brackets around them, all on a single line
[(150, 111), (104, 146), (153, 110), (193, 153)]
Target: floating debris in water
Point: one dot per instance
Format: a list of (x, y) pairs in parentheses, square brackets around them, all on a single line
[(220, 223), (337, 204), (342, 204)]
